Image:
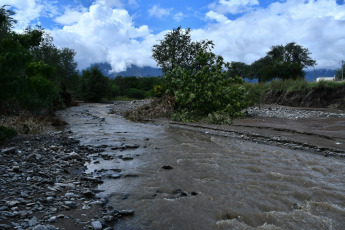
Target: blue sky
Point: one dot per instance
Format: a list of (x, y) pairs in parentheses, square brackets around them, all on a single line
[(122, 32)]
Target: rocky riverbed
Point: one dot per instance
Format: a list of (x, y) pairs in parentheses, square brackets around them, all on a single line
[(43, 186)]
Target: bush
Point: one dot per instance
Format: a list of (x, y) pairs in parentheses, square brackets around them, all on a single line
[(205, 89), (6, 133)]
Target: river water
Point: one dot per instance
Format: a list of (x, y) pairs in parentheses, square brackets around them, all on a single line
[(175, 178)]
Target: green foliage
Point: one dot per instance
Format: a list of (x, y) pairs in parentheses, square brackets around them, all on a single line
[(6, 133), (197, 79), (282, 62), (238, 69), (177, 49), (205, 89), (94, 86), (158, 90), (31, 67), (290, 85), (134, 87), (339, 76)]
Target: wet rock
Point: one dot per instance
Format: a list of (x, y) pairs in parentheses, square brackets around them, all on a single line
[(131, 146), (9, 150), (114, 176), (126, 158), (33, 221), (167, 167), (5, 226), (126, 212), (96, 224), (71, 204), (88, 193)]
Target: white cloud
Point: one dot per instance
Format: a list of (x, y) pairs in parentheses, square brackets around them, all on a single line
[(111, 3), (233, 6), (70, 16), (158, 12), (216, 16), (316, 25), (179, 16), (103, 34), (26, 11)]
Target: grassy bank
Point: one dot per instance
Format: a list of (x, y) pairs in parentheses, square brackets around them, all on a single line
[(300, 93)]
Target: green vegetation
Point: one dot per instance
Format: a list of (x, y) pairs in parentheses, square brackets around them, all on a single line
[(6, 133), (195, 77), (281, 62), (29, 78), (39, 77)]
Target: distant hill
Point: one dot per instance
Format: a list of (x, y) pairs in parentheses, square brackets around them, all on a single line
[(145, 71), (309, 75)]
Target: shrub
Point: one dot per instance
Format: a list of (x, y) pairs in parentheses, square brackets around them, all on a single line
[(6, 133), (205, 89)]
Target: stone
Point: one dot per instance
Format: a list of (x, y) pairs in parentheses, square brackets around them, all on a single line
[(5, 226), (126, 212), (32, 221), (71, 204), (167, 167), (9, 150), (96, 224), (131, 146), (114, 176), (88, 193)]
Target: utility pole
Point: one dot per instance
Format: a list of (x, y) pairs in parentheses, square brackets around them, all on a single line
[(342, 70)]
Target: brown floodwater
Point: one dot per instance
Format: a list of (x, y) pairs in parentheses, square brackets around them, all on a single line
[(213, 182)]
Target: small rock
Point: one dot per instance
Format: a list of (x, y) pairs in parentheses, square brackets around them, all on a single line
[(88, 193), (5, 226), (52, 219), (131, 146), (114, 176), (32, 221), (167, 167), (126, 212), (9, 150), (71, 204), (126, 158), (96, 224)]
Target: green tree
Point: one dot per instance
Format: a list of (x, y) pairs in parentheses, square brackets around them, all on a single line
[(94, 86), (65, 74), (262, 69), (6, 22), (339, 75), (198, 79), (238, 69), (289, 60), (177, 49)]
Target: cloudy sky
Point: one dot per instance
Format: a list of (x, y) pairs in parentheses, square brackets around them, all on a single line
[(122, 32)]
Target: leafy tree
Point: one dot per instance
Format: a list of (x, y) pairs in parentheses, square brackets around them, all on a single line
[(94, 86), (289, 60), (282, 62), (208, 90), (238, 69), (262, 69), (198, 79), (65, 74), (6, 22), (177, 49), (41, 92), (339, 73)]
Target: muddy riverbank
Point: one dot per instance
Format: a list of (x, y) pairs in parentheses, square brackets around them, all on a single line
[(270, 170)]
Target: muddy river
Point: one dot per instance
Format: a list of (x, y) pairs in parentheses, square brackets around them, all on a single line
[(175, 178)]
